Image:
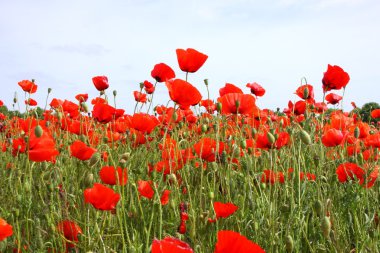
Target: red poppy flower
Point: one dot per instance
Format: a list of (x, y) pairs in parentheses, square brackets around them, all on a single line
[(103, 113), (165, 197), (110, 175), (229, 88), (170, 245), (28, 86), (224, 210), (31, 102), (100, 82), (98, 100), (148, 87), (373, 176), (81, 151), (101, 197), (162, 72), (139, 97), (234, 103), (42, 148), (70, 230), (209, 105), (350, 170), (56, 103), (190, 60), (305, 92), (206, 149), (270, 176), (372, 140), (233, 242), (263, 141), (145, 189), (6, 230), (81, 97), (333, 98), (256, 89), (183, 93), (332, 137), (375, 114), (144, 122), (335, 78), (1, 103)]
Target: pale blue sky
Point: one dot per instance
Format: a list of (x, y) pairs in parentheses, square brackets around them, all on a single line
[(63, 44)]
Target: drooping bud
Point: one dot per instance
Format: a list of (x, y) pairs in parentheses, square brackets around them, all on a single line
[(289, 244), (38, 131), (271, 138), (141, 86), (357, 132), (219, 107), (326, 227), (305, 93), (305, 137)]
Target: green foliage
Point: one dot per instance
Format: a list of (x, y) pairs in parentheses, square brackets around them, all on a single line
[(365, 112)]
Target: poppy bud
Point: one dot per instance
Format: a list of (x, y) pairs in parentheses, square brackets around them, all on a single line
[(305, 137), (318, 208), (95, 158), (204, 128), (49, 90), (89, 179), (357, 132), (206, 82), (211, 195), (38, 131), (254, 131), (271, 138), (305, 93), (85, 107), (326, 227), (289, 244), (59, 115), (175, 116), (219, 107), (114, 93)]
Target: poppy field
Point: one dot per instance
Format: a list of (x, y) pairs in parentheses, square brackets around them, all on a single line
[(195, 174)]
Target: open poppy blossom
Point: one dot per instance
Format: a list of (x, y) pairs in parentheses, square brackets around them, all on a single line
[(148, 87), (28, 86), (70, 230), (223, 210), (233, 242), (183, 93), (81, 151), (332, 137), (333, 98), (101, 197), (305, 92), (352, 171), (165, 197), (190, 60), (139, 97), (31, 102), (103, 113), (42, 148), (81, 98), (256, 89), (144, 122), (162, 72), (237, 103), (6, 230), (145, 189), (375, 114), (170, 245), (334, 78), (112, 176), (229, 88), (205, 148), (100, 82)]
